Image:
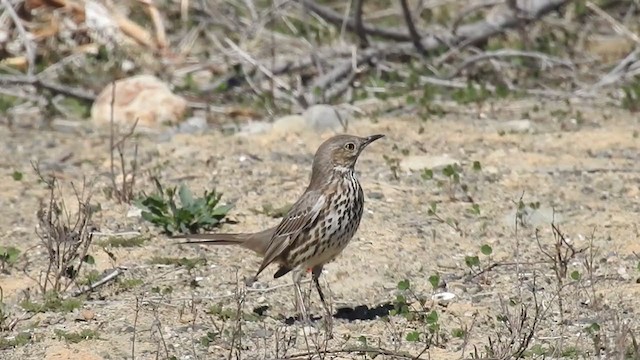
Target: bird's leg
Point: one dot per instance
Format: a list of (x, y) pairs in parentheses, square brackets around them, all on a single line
[(315, 275), (300, 306)]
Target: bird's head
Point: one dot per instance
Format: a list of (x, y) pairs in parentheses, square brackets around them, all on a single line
[(341, 152)]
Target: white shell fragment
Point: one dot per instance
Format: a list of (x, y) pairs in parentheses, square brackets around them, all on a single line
[(443, 297)]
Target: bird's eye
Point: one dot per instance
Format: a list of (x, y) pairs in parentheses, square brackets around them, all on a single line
[(350, 146)]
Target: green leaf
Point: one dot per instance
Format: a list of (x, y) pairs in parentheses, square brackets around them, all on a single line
[(221, 211), (432, 317), (477, 166), (363, 340), (448, 171), (459, 333), (434, 280), (9, 254), (403, 285), (17, 175), (427, 174), (432, 208), (472, 261), (475, 209), (486, 250), (89, 259), (413, 336), (575, 275)]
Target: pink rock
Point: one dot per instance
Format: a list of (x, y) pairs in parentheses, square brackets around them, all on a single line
[(142, 97)]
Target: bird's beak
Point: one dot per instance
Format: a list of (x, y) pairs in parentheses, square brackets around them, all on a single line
[(371, 139)]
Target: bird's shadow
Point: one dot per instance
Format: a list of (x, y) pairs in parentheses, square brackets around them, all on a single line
[(359, 312)]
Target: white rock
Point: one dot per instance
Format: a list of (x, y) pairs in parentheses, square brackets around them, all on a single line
[(134, 212)]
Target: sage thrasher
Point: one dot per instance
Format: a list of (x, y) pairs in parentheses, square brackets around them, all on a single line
[(318, 226)]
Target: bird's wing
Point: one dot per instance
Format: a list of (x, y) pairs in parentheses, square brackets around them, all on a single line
[(301, 214)]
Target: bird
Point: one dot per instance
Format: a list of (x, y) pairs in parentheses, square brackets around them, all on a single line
[(317, 227)]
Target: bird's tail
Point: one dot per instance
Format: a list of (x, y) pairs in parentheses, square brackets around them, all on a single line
[(257, 242)]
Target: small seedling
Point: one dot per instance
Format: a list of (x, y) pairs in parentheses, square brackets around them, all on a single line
[(52, 302), (17, 175), (394, 166), (21, 339), (207, 339), (76, 337), (128, 284), (162, 290), (118, 241), (8, 257), (631, 96), (453, 223), (473, 262), (193, 214), (188, 263), (434, 280)]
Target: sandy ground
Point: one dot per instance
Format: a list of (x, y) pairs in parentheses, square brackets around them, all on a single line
[(582, 169)]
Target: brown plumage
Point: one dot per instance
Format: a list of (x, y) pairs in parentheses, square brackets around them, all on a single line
[(319, 225)]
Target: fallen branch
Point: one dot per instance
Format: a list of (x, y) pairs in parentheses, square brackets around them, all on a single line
[(105, 279), (509, 53), (44, 84)]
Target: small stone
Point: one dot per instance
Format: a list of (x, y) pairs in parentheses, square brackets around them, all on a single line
[(622, 271), (86, 315), (134, 212)]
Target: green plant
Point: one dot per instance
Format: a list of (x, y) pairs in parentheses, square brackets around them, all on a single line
[(8, 256), (208, 338), (17, 175), (452, 174), (118, 241), (429, 319), (451, 222), (394, 166), (21, 339), (631, 99), (189, 263), (76, 337), (193, 214), (473, 262), (52, 301)]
